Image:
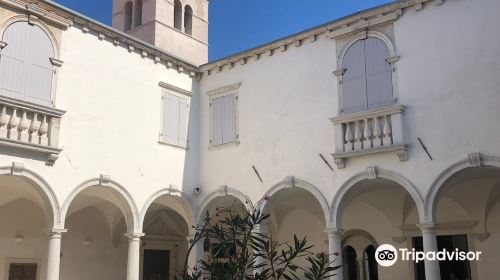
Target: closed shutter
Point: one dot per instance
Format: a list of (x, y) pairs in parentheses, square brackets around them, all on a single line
[(229, 130), (25, 68), (39, 82), (378, 74), (183, 121), (217, 111), (13, 61), (171, 119), (354, 79)]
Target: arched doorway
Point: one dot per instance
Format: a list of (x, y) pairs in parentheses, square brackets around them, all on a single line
[(97, 218), (296, 211), (351, 263), (27, 211), (466, 209), (211, 209), (166, 222), (381, 206)]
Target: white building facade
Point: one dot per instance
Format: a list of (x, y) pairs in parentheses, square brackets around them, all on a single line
[(377, 128)]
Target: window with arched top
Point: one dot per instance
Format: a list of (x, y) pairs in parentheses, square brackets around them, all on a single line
[(26, 70), (177, 15), (367, 77), (137, 13), (188, 20), (128, 15)]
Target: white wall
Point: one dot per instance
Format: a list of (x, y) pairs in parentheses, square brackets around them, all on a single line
[(447, 80)]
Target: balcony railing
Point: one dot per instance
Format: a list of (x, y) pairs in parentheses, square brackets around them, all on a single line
[(369, 132), (30, 126)]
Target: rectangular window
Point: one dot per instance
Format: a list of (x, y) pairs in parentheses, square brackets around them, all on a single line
[(175, 120), (25, 271), (223, 123)]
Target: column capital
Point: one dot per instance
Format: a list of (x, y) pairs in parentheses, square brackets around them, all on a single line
[(427, 228), (134, 235), (335, 232), (55, 232)]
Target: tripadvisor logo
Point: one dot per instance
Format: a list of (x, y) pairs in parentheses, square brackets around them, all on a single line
[(387, 255)]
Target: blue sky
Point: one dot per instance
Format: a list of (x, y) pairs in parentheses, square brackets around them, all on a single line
[(237, 25)]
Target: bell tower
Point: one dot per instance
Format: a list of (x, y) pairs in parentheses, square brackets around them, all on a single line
[(179, 27)]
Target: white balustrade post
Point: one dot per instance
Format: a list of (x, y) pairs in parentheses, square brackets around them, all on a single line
[(432, 270), (397, 128), (54, 253), (134, 255), (335, 251), (4, 120), (358, 136), (13, 123), (339, 137), (367, 135)]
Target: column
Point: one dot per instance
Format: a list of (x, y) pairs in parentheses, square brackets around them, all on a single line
[(432, 271), (361, 269), (335, 251), (193, 256), (260, 229), (134, 255), (54, 254)]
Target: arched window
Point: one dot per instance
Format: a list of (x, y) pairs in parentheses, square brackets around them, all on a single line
[(137, 13), (26, 70), (351, 261), (367, 79), (128, 16), (177, 15), (188, 20)]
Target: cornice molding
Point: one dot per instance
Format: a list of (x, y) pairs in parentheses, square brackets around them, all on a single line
[(41, 10), (175, 89), (353, 23), (224, 89), (64, 18)]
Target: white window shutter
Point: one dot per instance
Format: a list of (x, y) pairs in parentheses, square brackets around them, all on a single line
[(14, 61), (354, 79), (217, 117), (378, 74), (41, 70), (170, 133), (183, 121), (229, 119), (25, 68)]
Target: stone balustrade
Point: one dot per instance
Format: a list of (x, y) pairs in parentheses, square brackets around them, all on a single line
[(30, 126), (369, 132)]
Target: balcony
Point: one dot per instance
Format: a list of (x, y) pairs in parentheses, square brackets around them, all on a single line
[(30, 127), (369, 132)]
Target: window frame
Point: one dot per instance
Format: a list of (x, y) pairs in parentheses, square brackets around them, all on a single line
[(55, 61), (218, 93), (167, 89), (392, 60), (9, 261)]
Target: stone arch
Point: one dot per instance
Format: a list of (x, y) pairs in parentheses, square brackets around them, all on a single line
[(41, 186), (221, 192), (19, 18), (130, 211), (362, 35), (291, 182), (472, 161), (371, 173), (359, 248), (186, 204)]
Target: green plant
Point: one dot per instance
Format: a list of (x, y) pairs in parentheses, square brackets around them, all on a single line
[(238, 251)]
